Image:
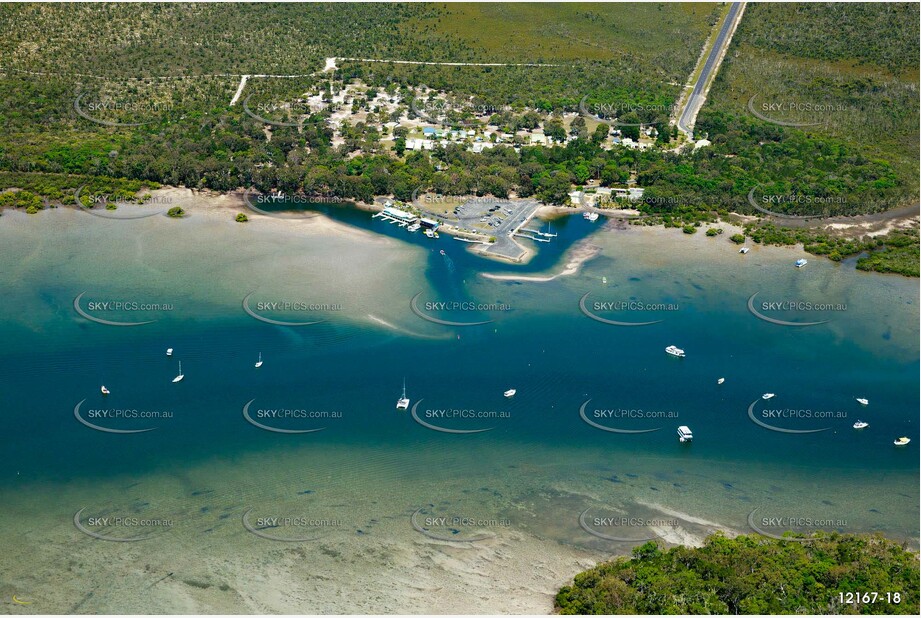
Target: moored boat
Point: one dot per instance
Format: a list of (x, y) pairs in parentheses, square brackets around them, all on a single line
[(675, 351)]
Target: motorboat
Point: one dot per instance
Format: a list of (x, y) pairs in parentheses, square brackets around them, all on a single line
[(169, 351), (721, 380), (510, 392), (861, 424), (684, 434), (590, 216), (744, 250), (104, 390), (863, 401), (800, 262), (259, 362), (768, 396), (675, 351), (902, 441)]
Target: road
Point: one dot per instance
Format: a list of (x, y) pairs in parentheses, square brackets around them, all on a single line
[(696, 99)]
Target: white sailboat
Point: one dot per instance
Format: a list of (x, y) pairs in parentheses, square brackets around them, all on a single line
[(180, 376), (259, 362), (403, 401)]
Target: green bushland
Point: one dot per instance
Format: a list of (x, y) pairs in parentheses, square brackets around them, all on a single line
[(895, 252), (750, 575), (821, 63), (191, 137)]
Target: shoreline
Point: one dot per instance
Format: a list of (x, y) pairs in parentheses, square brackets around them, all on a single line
[(209, 201)]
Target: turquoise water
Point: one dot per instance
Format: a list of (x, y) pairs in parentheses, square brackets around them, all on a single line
[(556, 358)]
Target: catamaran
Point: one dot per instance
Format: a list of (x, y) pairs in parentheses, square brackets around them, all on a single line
[(862, 401), (403, 402), (104, 390), (510, 392), (675, 351), (684, 434), (180, 376), (860, 424), (259, 362)]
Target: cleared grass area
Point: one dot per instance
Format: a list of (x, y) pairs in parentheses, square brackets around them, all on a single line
[(652, 35)]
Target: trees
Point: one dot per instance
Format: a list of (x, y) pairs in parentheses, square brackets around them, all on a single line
[(554, 129), (749, 574)]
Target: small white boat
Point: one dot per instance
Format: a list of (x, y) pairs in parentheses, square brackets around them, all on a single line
[(902, 441), (800, 263), (721, 380), (744, 250), (510, 392), (860, 424), (591, 216), (403, 402), (675, 351), (415, 227), (169, 351), (259, 362), (180, 376), (604, 280), (429, 233), (863, 401), (104, 390), (768, 396), (684, 434)]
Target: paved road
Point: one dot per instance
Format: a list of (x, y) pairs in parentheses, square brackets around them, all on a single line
[(696, 98)]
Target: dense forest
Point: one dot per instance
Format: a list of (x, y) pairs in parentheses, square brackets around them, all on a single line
[(829, 574)]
